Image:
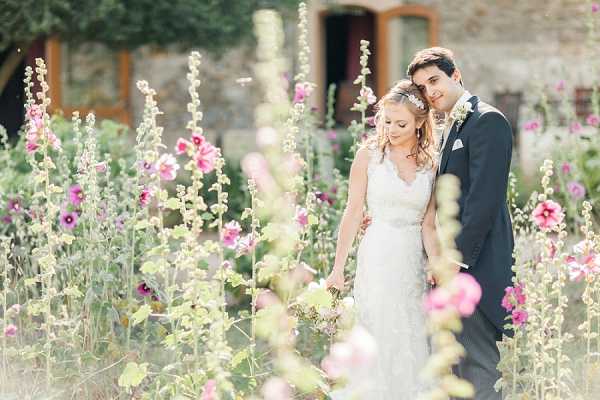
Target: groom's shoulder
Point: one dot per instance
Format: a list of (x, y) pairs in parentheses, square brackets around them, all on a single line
[(485, 110)]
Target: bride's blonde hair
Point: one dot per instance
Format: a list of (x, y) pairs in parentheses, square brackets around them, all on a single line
[(407, 93)]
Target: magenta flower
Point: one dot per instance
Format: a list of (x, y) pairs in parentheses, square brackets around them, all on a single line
[(595, 7), (167, 167), (575, 127), (10, 330), (576, 189), (547, 214), (182, 146), (367, 94), (331, 135), (301, 92), (14, 205), (463, 297), (324, 197), (566, 168), (519, 317), (371, 120), (230, 234), (585, 261), (276, 388), (7, 219), (532, 125), (560, 85), (68, 219), (31, 146), (144, 290), (593, 120), (76, 195), (209, 390), (513, 296), (145, 197), (198, 139), (205, 157), (301, 216)]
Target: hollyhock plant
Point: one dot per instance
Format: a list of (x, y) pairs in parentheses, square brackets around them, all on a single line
[(301, 216), (246, 244), (576, 190), (575, 127), (205, 157), (10, 330), (101, 167), (147, 167), (15, 309), (560, 85), (368, 95), (209, 390), (566, 168), (331, 135), (547, 214), (198, 139), (7, 219), (301, 92), (519, 317), (593, 120), (513, 296), (464, 298), (371, 120), (584, 262), (532, 125), (145, 197), (68, 219), (183, 146), (14, 205), (167, 167), (357, 350), (144, 290), (595, 7), (76, 195), (230, 234)]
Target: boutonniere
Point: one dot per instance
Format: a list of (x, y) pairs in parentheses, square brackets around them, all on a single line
[(460, 114)]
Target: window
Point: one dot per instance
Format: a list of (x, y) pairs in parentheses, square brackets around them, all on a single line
[(89, 77)]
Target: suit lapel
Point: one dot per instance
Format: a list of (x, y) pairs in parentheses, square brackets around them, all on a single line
[(453, 134)]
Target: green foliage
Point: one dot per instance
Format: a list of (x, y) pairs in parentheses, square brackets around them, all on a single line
[(210, 24)]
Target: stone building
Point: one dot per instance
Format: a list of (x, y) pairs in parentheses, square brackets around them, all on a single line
[(506, 50)]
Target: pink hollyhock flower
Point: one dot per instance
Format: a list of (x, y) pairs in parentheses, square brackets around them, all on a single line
[(331, 135), (303, 273), (255, 166), (205, 157), (301, 92), (101, 167), (324, 197), (560, 85), (10, 330), (463, 296), (54, 141), (566, 168), (76, 195), (301, 216), (593, 120), (230, 234), (367, 94), (146, 167), (266, 298), (198, 139), (246, 244), (519, 317), (576, 189), (31, 146), (547, 214), (182, 146), (595, 7), (358, 350), (576, 271), (68, 219), (276, 388), (167, 167), (513, 296), (14, 205), (7, 219), (209, 390), (144, 290), (15, 309), (120, 221), (532, 125), (371, 120), (575, 127), (145, 197)]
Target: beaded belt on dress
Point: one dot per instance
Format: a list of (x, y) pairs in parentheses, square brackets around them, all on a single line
[(397, 223)]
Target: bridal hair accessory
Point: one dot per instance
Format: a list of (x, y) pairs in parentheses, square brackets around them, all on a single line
[(416, 101)]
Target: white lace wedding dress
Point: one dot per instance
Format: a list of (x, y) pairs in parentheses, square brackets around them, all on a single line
[(390, 284)]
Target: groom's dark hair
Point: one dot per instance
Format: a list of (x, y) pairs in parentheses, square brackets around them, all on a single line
[(439, 56)]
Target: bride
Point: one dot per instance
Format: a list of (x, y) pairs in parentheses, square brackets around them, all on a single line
[(394, 172)]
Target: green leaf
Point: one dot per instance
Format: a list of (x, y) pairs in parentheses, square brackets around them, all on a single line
[(179, 231), (149, 267), (173, 203), (312, 220), (133, 374), (317, 298), (141, 314), (235, 279), (239, 357)]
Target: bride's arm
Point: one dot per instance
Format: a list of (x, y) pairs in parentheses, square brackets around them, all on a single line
[(430, 239), (352, 217)]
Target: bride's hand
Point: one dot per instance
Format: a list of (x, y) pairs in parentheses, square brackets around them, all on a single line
[(335, 280)]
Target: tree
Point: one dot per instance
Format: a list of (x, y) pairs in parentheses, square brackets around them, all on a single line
[(212, 25)]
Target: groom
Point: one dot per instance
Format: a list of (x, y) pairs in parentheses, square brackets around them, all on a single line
[(476, 147)]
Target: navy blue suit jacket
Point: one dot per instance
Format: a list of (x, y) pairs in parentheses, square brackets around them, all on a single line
[(482, 166)]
